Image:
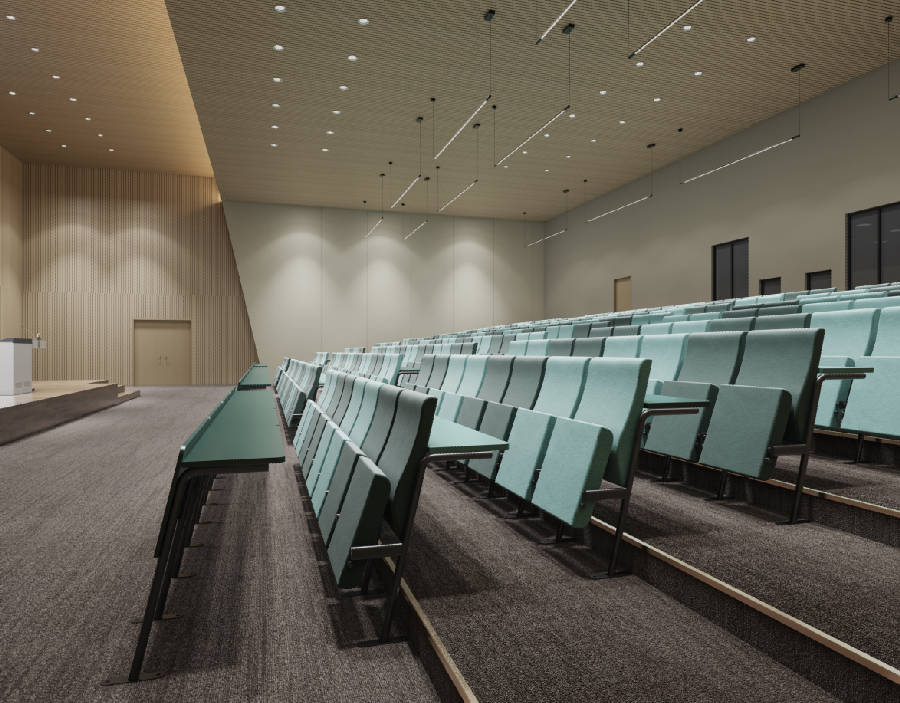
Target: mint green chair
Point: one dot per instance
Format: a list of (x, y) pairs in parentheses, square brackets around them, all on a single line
[(783, 322), (528, 440), (562, 385), (537, 347), (626, 347), (690, 327), (656, 328), (887, 333), (848, 334), (453, 377), (473, 375), (518, 348), (574, 462)]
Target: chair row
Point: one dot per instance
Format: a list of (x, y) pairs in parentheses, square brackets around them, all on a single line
[(571, 423), (295, 381), (359, 451), (379, 367)]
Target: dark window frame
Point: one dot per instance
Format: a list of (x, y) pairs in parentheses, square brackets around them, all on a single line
[(848, 263), (810, 274), (770, 278), (714, 271)]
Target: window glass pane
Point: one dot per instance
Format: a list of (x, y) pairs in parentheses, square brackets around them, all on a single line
[(770, 286), (863, 248), (722, 271), (740, 268), (818, 279), (890, 243)]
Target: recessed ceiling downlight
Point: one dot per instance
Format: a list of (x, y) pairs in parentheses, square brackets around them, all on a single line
[(363, 22), (278, 47), (352, 57), (281, 9)]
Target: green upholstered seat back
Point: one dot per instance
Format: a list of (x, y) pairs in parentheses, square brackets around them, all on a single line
[(562, 385), (438, 370), (785, 359), (405, 447), (560, 347), (496, 377), (847, 332), (528, 439), (575, 460), (537, 347), (745, 421), (448, 406), (588, 347), (712, 357), (524, 381), (783, 322), (887, 334), (879, 303), (870, 399), (359, 522), (470, 412), (626, 330), (690, 326), (625, 347), (496, 421), (356, 398), (746, 312), (657, 328), (319, 480), (454, 373), (385, 406), (473, 375), (581, 330), (613, 397), (340, 481), (566, 331), (518, 348), (732, 324), (600, 331), (828, 306), (768, 310), (363, 420), (666, 352), (704, 315)]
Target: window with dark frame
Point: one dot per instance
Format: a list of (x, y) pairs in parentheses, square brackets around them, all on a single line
[(731, 269), (873, 245), (770, 286), (816, 280)]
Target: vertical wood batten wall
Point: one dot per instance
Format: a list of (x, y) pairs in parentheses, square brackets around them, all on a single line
[(104, 247), (11, 266)]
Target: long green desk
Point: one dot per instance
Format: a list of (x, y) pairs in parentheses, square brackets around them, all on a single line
[(241, 435), (257, 376)]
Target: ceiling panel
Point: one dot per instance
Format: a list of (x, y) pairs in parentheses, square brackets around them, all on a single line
[(120, 62)]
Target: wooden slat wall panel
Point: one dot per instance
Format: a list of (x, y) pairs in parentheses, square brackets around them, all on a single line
[(104, 247), (10, 245)]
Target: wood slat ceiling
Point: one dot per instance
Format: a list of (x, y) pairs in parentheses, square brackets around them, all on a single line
[(121, 63), (411, 51)]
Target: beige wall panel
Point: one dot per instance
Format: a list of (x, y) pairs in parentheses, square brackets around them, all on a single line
[(432, 257), (388, 281), (11, 242), (791, 202), (312, 280), (518, 272), (104, 247), (343, 273)]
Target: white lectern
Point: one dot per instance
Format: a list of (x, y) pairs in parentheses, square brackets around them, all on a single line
[(15, 366)]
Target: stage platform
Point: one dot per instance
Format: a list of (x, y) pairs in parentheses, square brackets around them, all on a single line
[(53, 403)]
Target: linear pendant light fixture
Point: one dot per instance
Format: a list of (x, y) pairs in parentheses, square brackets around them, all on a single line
[(556, 22), (418, 177), (425, 221), (633, 202), (563, 230), (488, 16), (474, 181), (795, 69), (381, 218), (567, 30), (665, 29), (887, 22)]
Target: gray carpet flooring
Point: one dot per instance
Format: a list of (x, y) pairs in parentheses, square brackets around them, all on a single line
[(843, 584), (524, 623), (873, 483), (79, 513)]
